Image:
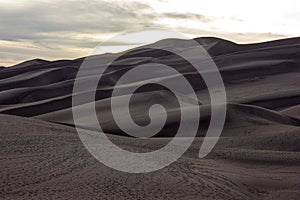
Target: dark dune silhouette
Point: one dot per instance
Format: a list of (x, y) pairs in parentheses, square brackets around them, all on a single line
[(257, 156)]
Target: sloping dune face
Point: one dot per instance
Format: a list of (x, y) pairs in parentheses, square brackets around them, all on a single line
[(264, 75), (257, 156)]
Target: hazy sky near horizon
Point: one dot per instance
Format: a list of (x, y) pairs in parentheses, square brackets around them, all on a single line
[(53, 29)]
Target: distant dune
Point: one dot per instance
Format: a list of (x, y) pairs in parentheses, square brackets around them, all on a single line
[(257, 156)]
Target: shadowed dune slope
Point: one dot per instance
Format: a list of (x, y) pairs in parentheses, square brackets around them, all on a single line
[(264, 75)]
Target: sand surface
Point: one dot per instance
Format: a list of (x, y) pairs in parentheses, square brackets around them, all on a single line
[(257, 156)]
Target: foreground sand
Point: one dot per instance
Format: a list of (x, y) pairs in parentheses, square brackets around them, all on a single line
[(41, 160)]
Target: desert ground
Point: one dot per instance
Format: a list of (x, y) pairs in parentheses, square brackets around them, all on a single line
[(256, 157)]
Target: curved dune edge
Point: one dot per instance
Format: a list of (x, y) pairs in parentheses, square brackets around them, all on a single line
[(238, 116)]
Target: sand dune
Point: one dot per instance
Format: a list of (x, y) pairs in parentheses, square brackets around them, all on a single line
[(257, 156), (238, 115)]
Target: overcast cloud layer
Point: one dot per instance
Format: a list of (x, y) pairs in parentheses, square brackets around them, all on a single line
[(70, 29)]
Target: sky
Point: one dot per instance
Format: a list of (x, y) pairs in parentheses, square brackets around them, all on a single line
[(56, 29)]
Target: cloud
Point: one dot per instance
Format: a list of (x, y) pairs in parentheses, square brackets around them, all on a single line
[(187, 16), (53, 29), (67, 16), (66, 25)]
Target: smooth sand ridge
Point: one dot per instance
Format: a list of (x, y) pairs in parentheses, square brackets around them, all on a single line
[(256, 157), (238, 115)]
